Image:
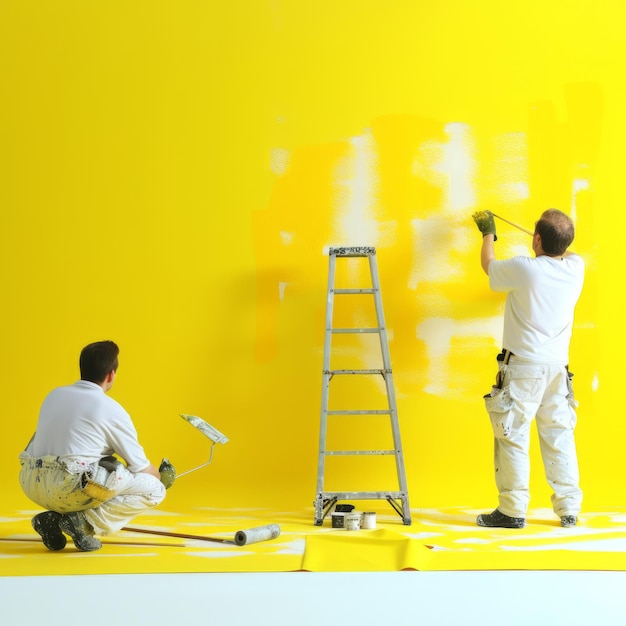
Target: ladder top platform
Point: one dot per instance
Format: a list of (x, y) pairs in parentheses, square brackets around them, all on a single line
[(352, 251)]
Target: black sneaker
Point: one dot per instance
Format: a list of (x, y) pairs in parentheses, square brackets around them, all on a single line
[(567, 521), (500, 520), (47, 525), (75, 525)]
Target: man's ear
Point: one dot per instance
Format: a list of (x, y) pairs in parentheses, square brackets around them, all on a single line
[(110, 377)]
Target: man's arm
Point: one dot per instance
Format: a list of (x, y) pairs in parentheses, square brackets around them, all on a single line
[(153, 471), (487, 253), (487, 226)]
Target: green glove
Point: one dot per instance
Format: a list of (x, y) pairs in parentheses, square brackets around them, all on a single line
[(168, 473), (485, 222)]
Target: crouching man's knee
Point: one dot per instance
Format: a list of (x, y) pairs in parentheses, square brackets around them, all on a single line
[(155, 490)]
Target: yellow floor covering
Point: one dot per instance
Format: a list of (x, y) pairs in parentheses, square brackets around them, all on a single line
[(437, 539)]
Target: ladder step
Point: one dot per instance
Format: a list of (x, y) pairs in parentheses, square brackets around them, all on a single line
[(352, 251), (373, 412), (353, 291), (345, 331), (361, 495), (359, 452), (347, 372)]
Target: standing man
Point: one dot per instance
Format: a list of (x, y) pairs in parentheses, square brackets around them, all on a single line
[(533, 379), (69, 469)]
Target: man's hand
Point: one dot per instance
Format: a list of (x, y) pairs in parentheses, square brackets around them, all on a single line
[(168, 473), (485, 222)]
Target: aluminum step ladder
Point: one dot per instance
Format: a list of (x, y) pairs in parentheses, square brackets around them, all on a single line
[(326, 500)]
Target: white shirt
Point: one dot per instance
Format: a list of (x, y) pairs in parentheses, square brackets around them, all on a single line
[(81, 421), (539, 308)]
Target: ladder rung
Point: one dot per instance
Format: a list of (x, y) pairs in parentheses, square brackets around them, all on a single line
[(352, 251), (346, 372), (359, 452), (353, 291), (345, 331), (373, 412), (361, 495)]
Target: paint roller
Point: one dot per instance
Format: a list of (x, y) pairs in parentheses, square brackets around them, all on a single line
[(208, 431), (241, 538), (168, 473)]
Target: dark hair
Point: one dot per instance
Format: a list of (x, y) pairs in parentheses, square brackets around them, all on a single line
[(556, 230), (97, 360)]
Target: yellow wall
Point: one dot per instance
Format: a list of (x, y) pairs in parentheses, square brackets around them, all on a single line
[(171, 174)]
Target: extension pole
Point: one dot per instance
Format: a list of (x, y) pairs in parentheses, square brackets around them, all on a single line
[(149, 544), (242, 537), (163, 533), (524, 230)]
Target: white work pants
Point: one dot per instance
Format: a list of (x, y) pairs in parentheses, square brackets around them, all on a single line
[(543, 392), (58, 485)]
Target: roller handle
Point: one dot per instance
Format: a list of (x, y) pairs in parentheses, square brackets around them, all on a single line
[(524, 230)]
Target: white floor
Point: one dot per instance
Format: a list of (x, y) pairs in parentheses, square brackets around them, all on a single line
[(303, 599)]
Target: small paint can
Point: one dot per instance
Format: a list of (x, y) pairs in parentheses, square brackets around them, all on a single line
[(337, 520), (353, 521), (368, 520)]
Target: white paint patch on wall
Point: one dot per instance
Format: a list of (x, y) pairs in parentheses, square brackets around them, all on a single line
[(434, 240), (427, 162), (451, 166), (356, 181), (578, 185), (281, 290), (437, 333), (279, 160), (595, 383), (458, 164), (511, 167), (286, 238), (431, 252)]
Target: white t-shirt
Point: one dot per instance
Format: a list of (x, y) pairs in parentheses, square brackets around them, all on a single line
[(539, 309), (81, 421)]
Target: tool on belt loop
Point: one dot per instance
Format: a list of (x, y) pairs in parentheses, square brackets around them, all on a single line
[(503, 358)]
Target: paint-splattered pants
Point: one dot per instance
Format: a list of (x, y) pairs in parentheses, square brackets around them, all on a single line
[(543, 392), (60, 485)]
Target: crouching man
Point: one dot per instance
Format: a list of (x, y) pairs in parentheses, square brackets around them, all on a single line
[(68, 468)]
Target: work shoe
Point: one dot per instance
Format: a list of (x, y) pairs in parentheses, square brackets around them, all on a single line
[(76, 526), (567, 521), (500, 520), (47, 525)]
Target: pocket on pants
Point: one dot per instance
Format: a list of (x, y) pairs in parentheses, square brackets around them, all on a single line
[(526, 381), (521, 390), (500, 405)]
